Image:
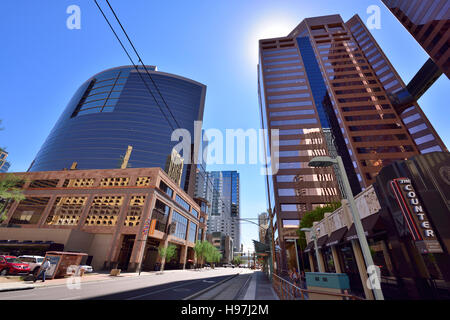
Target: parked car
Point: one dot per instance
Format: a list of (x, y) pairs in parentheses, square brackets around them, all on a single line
[(87, 268), (33, 261), (12, 265), (228, 265)]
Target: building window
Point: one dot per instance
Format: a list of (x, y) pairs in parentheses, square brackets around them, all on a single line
[(183, 203), (181, 225), (192, 231), (164, 187)]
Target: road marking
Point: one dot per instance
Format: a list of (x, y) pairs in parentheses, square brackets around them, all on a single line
[(251, 291), (154, 292)]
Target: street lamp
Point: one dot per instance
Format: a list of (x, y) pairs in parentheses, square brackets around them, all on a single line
[(314, 237), (322, 162)]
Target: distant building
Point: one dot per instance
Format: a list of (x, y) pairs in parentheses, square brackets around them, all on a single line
[(263, 223), (174, 166), (224, 243), (4, 165), (221, 189)]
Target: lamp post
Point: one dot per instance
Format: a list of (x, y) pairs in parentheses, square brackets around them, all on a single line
[(314, 237), (321, 162)]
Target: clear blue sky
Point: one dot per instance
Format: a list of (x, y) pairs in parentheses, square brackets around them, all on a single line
[(213, 42)]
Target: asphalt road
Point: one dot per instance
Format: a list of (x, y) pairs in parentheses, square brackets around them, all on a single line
[(168, 286)]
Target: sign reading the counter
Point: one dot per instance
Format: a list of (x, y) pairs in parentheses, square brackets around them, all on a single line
[(415, 216)]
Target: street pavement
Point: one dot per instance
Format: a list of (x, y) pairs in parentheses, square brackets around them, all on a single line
[(170, 285)]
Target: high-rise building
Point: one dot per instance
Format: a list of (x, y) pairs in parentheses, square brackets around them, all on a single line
[(428, 22), (221, 189), (325, 87), (418, 125), (113, 110), (263, 223), (4, 165)]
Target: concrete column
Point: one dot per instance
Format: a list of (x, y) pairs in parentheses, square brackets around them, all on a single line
[(311, 261), (46, 211), (137, 253), (387, 257), (336, 260), (183, 255), (116, 243), (11, 211), (362, 269)]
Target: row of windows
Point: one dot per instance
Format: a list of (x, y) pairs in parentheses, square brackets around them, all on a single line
[(290, 96), (281, 75), (300, 153), (274, 63), (292, 113), (291, 81), (293, 122), (307, 192), (290, 104), (283, 69), (287, 89)]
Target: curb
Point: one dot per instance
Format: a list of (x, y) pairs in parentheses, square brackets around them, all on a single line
[(209, 288), (16, 289)]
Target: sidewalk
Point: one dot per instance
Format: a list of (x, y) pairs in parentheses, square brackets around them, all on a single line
[(11, 285), (260, 288)]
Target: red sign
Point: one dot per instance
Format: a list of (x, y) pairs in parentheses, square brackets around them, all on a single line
[(415, 216)]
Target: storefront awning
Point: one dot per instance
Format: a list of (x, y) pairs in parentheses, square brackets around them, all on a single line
[(336, 237), (322, 241), (309, 247), (372, 225)]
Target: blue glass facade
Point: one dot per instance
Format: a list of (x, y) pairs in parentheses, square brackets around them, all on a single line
[(114, 109)]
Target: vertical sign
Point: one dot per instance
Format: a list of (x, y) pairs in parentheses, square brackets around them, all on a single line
[(415, 216), (152, 227), (146, 227)]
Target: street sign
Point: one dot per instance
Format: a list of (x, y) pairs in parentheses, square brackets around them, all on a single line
[(152, 227)]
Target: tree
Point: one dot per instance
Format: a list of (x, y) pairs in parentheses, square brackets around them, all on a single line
[(200, 250), (10, 190), (310, 217), (237, 261), (167, 254)]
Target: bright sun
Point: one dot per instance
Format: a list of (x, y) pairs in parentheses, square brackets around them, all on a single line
[(272, 27)]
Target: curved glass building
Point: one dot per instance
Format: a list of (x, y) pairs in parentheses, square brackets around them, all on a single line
[(114, 109)]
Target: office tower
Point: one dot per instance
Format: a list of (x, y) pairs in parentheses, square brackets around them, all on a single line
[(428, 23), (174, 166), (221, 189), (418, 125), (113, 110), (318, 87)]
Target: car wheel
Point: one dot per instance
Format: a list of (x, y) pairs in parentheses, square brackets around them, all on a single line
[(4, 272)]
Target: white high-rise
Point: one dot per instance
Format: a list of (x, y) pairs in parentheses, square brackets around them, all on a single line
[(221, 189)]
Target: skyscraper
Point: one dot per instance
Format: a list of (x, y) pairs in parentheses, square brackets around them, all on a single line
[(221, 189), (428, 22), (325, 87), (113, 110), (4, 165)]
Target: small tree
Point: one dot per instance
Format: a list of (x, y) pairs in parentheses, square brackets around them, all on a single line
[(10, 190), (310, 217), (200, 249), (237, 261), (167, 254)]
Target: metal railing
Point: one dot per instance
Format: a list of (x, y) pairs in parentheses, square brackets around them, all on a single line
[(289, 291)]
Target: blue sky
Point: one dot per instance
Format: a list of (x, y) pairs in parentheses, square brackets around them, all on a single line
[(213, 42)]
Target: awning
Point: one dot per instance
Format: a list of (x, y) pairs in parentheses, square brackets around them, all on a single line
[(261, 248), (336, 237), (322, 241), (372, 225), (309, 247)]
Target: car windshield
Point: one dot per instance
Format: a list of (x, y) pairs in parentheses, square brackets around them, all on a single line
[(39, 260), (13, 260)]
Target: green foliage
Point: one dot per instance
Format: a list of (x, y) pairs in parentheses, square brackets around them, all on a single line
[(237, 261), (10, 190), (312, 216), (169, 252)]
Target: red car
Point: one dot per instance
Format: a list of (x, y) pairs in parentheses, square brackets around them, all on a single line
[(12, 265)]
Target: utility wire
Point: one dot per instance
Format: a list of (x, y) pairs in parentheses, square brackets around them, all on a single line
[(145, 83)]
